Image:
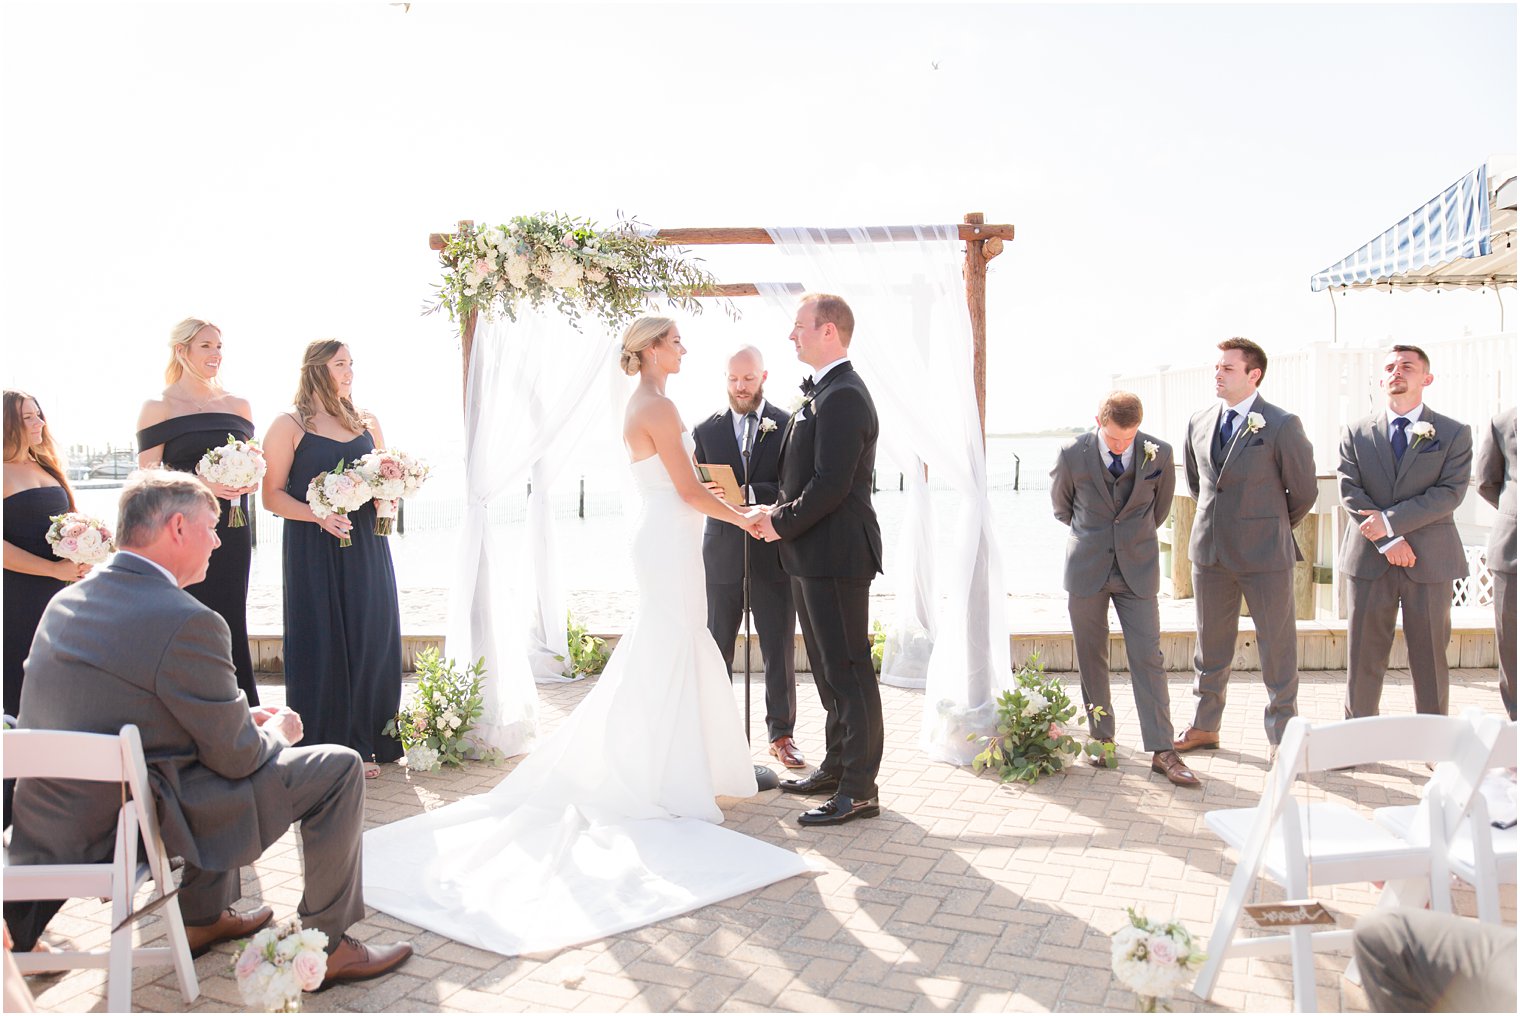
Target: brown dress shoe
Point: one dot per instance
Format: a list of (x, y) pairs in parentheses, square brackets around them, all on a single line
[(1169, 765), (230, 926), (784, 750), (1192, 739), (355, 961)]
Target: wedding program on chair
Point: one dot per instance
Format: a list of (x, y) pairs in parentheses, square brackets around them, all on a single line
[(1300, 843), (104, 758)]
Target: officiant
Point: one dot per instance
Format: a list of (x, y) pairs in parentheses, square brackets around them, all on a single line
[(747, 438)]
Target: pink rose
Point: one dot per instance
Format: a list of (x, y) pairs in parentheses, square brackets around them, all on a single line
[(74, 529), (248, 962), (1162, 950), (1056, 730), (68, 545), (568, 240), (390, 469), (310, 969)]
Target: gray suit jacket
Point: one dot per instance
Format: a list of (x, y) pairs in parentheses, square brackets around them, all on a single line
[(125, 645), (1419, 494), (1252, 493), (1496, 485), (1104, 531)]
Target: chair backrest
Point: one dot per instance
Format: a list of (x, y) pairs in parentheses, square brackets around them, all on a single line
[(1416, 738), (64, 755)]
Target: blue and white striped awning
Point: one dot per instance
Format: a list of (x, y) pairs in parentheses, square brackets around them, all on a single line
[(1464, 236)]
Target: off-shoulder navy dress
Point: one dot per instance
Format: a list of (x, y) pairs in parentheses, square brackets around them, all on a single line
[(342, 619), (225, 588), (28, 515)]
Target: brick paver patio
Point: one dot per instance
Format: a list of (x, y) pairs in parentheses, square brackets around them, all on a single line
[(963, 896)]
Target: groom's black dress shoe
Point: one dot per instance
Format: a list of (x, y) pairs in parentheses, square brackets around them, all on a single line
[(818, 782), (839, 809)]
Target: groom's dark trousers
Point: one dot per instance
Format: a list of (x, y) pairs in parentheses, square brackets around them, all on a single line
[(831, 546)]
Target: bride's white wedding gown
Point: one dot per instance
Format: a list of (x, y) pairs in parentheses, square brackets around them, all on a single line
[(609, 824)]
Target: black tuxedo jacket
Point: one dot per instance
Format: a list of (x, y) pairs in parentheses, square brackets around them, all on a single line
[(723, 543), (823, 511)]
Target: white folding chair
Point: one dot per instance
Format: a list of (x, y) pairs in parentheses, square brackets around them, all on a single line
[(1477, 853), (106, 758), (1299, 844)]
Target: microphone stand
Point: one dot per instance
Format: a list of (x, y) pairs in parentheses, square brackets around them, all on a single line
[(765, 778)]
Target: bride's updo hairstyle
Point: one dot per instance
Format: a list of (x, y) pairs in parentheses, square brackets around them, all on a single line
[(640, 335)]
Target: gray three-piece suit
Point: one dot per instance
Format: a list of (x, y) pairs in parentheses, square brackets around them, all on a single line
[(1251, 492), (1496, 485), (125, 645), (1112, 556)]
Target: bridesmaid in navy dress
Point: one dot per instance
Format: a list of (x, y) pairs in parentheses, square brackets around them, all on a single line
[(35, 490), (342, 619), (195, 414)]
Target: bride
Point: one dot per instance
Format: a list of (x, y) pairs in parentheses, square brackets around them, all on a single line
[(611, 823)]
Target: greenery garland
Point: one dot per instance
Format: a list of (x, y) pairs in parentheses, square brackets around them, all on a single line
[(566, 262)]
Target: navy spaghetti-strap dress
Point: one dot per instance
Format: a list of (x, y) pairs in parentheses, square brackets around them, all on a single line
[(342, 618)]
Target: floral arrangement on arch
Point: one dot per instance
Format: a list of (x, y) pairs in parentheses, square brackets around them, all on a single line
[(1035, 736), (569, 264)]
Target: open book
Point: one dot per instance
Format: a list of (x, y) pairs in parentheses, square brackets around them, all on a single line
[(723, 475)]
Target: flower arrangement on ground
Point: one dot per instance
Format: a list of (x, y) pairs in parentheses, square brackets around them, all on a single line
[(235, 464), (275, 966), (80, 538), (568, 263), (391, 475), (340, 490), (588, 653), (1034, 733), (1153, 959), (436, 719)]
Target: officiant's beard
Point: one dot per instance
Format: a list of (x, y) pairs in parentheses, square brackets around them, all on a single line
[(742, 406)]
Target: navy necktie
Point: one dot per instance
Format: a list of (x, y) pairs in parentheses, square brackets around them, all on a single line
[(1117, 465), (1228, 430), (749, 442), (1400, 439)]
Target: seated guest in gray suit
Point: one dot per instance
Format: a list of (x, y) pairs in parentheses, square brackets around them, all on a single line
[(1496, 485), (747, 436), (1403, 471), (1251, 468), (128, 645), (1113, 487), (1417, 961)]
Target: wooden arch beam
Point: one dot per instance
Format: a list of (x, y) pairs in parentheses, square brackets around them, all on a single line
[(983, 241)]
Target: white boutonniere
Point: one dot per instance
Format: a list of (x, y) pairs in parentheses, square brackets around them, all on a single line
[(797, 402), (766, 426), (1255, 421), (1151, 448), (1423, 431)]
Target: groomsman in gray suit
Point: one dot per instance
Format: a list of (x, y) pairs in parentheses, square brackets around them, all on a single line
[(1113, 487), (126, 645), (1251, 468), (1496, 485), (1403, 471)]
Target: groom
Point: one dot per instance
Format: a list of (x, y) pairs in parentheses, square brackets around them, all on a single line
[(831, 546)]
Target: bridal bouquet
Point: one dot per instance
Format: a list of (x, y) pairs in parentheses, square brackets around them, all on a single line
[(391, 476), (435, 721), (234, 464), (1034, 734), (77, 537), (1154, 959), (275, 966), (342, 490)]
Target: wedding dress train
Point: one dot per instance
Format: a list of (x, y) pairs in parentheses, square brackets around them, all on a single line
[(609, 824)]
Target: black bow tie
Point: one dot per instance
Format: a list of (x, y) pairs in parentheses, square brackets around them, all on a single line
[(806, 386)]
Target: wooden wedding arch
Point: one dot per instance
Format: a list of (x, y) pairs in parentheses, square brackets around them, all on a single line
[(983, 243)]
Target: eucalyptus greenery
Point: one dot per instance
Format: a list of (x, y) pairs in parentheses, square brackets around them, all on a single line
[(588, 653), (567, 263), (878, 645), (442, 710), (1033, 736)]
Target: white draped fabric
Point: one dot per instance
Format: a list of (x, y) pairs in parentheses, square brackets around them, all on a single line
[(913, 347), (526, 408)]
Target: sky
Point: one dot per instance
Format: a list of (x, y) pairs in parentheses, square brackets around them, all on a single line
[(1174, 174)]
